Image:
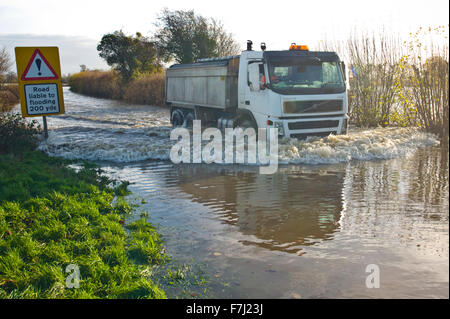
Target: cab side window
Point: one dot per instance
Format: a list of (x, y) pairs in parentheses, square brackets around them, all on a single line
[(262, 77), (256, 78)]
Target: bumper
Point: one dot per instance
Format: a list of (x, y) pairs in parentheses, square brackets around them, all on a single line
[(299, 127)]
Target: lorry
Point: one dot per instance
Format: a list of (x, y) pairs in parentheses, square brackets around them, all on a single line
[(300, 92)]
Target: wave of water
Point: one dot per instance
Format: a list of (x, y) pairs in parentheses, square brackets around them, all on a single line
[(380, 143), (127, 144), (119, 145)]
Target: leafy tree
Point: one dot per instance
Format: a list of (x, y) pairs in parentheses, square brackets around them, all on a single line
[(186, 37), (131, 56)]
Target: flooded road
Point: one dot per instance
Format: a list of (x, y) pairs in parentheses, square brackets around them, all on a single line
[(336, 205)]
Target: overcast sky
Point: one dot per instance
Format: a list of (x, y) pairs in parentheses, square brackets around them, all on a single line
[(77, 26)]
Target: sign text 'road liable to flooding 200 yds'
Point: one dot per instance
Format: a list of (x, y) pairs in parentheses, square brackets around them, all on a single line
[(42, 98)]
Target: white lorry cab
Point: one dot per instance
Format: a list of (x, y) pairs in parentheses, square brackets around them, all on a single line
[(300, 92)]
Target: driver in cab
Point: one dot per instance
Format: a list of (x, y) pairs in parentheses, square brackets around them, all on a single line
[(262, 78)]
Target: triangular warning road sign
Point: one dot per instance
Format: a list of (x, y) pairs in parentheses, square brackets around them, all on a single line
[(38, 68)]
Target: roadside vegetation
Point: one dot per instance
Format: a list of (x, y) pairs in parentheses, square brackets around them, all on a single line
[(53, 215), (398, 83), (425, 81), (145, 89), (103, 84)]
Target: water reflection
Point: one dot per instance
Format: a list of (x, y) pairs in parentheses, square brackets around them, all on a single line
[(393, 213), (395, 203), (294, 207), (401, 203), (429, 181)]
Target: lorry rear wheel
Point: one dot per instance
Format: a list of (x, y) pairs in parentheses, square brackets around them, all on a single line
[(177, 118)]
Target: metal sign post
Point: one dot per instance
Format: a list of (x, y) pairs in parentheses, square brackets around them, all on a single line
[(40, 86), (44, 118)]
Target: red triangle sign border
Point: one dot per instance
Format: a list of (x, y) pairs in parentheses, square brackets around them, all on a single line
[(37, 51)]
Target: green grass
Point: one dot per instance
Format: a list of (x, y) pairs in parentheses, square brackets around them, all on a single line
[(52, 216), (185, 281)]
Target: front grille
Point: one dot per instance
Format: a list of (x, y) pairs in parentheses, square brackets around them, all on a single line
[(313, 124), (302, 136), (291, 107)]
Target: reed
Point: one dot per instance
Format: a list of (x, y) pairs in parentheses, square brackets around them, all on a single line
[(147, 89), (9, 96), (103, 84)]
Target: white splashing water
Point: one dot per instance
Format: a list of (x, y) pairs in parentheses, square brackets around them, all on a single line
[(371, 144), (137, 144)]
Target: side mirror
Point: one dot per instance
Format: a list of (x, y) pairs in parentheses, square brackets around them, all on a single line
[(344, 71), (253, 76)]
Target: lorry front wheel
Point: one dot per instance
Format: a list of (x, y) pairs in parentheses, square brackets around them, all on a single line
[(246, 123)]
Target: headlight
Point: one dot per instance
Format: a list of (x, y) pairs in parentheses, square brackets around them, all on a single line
[(280, 127)]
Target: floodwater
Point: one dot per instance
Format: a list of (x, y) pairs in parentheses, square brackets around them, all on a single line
[(334, 207)]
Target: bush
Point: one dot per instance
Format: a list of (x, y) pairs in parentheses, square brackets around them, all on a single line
[(374, 84), (16, 134), (148, 89), (393, 83), (425, 81)]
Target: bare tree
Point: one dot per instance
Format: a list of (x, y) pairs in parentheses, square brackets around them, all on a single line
[(5, 64), (373, 60), (225, 43)]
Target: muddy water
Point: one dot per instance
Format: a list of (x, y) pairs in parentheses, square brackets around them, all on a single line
[(334, 207)]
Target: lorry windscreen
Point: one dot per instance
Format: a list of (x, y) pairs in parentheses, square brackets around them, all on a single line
[(305, 75)]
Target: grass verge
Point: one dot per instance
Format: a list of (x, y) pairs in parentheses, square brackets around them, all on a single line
[(53, 216)]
